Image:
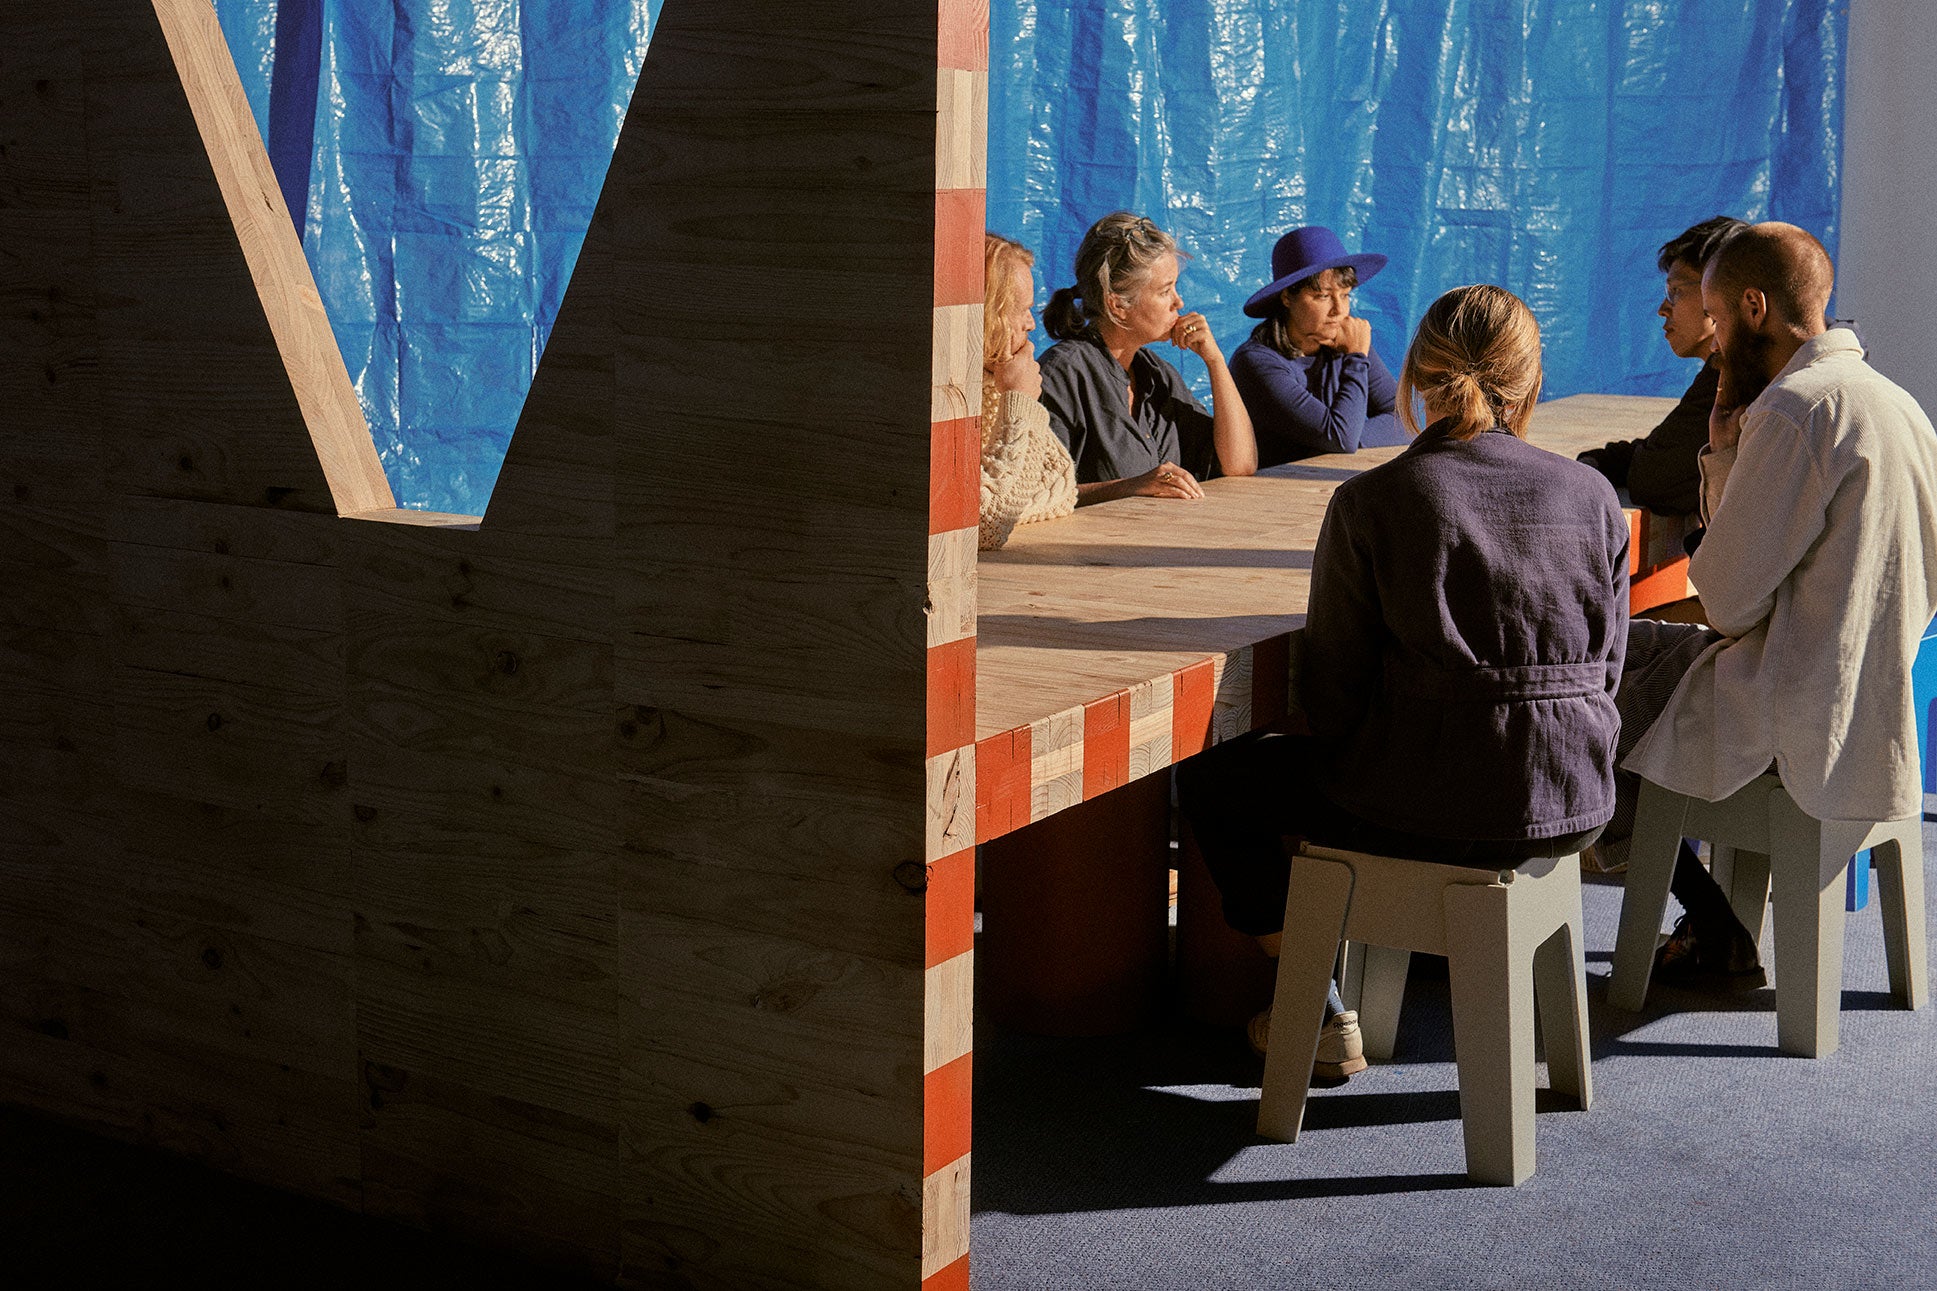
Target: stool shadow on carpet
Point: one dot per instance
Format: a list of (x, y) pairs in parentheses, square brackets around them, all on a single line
[(1152, 1119)]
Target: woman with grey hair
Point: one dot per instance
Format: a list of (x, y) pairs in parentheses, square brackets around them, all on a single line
[(1127, 417)]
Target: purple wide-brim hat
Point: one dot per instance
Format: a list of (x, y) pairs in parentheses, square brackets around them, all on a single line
[(1303, 253)]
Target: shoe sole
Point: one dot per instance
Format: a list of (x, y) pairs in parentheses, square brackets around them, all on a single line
[(1338, 1070)]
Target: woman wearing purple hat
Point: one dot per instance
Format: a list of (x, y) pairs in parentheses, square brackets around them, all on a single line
[(1308, 373)]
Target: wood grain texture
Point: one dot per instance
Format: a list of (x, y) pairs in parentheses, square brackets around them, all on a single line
[(557, 473), (287, 295), (961, 142), (559, 877), (774, 293), (945, 1198), (196, 396), (50, 440)]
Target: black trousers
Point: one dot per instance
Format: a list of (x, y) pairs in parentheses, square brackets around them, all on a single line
[(1244, 796), (1659, 655)]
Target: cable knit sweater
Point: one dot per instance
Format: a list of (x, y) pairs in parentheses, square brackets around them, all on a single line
[(1027, 474)]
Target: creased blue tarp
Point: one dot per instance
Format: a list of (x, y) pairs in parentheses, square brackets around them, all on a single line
[(459, 146), (1547, 145)]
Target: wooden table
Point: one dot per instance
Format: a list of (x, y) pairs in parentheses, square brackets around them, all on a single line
[(1118, 641)]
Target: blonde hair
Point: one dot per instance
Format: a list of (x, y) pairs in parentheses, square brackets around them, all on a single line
[(999, 260), (1475, 357), (1115, 259)]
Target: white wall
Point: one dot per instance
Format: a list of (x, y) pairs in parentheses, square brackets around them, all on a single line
[(1886, 271)]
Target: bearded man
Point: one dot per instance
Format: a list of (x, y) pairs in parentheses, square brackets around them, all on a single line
[(1819, 575)]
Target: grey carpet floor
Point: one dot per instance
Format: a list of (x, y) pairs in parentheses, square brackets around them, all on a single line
[(1709, 1158)]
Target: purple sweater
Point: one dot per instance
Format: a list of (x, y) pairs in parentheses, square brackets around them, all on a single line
[(1469, 611), (1328, 402)]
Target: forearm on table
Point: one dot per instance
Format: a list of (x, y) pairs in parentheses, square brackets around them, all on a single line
[(1104, 491), (1661, 469), (1293, 413), (1003, 494), (1663, 482)]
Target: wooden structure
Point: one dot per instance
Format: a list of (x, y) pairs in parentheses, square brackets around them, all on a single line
[(593, 877), (570, 878)]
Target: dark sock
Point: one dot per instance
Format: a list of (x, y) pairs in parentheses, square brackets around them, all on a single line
[(1703, 898)]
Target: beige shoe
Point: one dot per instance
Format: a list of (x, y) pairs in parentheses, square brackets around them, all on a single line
[(1341, 1050)]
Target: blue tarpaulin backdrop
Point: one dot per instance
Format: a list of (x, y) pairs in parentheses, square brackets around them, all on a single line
[(449, 152), (1549, 146), (449, 167)]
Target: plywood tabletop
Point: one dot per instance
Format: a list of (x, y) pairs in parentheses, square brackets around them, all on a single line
[(1119, 593), (1582, 421), (1148, 601)]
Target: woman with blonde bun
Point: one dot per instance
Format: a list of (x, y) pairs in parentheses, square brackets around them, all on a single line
[(1464, 639), (1026, 472)]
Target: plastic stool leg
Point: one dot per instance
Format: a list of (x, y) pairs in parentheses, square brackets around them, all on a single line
[(1382, 992), (1315, 906), (1807, 857), (1651, 867), (1900, 899), (1748, 890), (1721, 863), (1560, 991), (1351, 973), (1492, 983)]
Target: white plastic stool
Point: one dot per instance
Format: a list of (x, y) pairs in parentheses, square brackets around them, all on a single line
[(1771, 837), (1511, 937)]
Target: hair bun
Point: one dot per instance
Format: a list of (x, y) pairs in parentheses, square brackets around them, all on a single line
[(1475, 355)]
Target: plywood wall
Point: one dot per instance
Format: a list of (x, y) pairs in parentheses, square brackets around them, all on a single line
[(591, 879)]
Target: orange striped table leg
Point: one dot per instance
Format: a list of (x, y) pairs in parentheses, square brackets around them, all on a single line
[(961, 100)]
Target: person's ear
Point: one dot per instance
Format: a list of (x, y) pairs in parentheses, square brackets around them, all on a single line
[(1755, 308)]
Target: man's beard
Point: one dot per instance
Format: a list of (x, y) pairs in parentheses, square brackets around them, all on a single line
[(1745, 371)]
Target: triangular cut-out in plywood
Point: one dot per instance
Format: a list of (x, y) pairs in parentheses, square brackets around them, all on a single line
[(553, 500), (226, 382), (557, 475)]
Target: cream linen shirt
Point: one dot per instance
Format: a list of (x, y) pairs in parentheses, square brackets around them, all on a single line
[(1820, 569)]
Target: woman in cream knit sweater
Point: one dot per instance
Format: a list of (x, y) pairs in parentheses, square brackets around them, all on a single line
[(1027, 474)]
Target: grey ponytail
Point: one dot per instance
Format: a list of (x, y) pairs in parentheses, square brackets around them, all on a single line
[(1115, 259)]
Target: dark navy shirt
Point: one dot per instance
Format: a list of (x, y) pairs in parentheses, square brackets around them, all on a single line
[(1659, 472), (1327, 402), (1084, 389), (1468, 618)]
